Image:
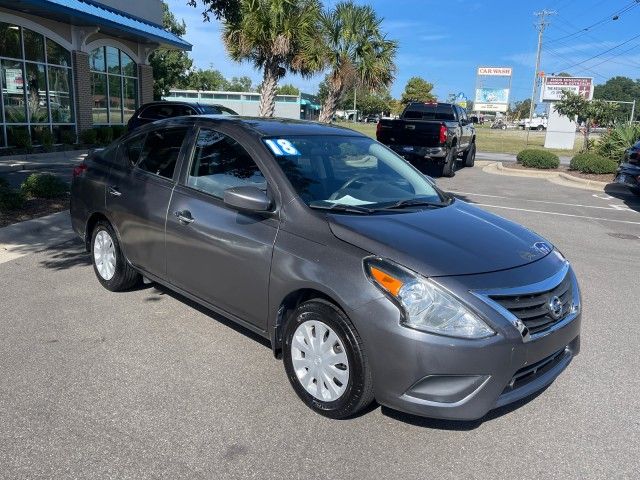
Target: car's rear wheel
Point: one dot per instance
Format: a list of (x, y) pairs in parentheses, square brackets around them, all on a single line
[(110, 266), (325, 361), (469, 157), (449, 167), (540, 128)]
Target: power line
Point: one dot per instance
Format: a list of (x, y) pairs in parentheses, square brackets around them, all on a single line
[(605, 52), (609, 18)]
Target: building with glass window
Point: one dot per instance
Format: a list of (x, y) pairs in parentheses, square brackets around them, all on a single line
[(302, 106), (69, 65)]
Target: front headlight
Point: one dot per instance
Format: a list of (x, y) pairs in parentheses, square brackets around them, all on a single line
[(426, 306)]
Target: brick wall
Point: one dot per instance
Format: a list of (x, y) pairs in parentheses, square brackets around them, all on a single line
[(82, 87), (145, 76)]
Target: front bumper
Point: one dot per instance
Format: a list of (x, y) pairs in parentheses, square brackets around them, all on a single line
[(443, 377)]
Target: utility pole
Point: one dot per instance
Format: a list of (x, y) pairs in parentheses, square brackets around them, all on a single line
[(542, 23)]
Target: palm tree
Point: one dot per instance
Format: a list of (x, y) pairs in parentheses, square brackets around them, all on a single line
[(271, 35), (355, 50)]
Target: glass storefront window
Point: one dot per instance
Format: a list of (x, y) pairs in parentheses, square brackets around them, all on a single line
[(36, 93), (60, 98), (33, 45), (10, 42), (115, 93), (99, 95), (57, 55), (12, 76)]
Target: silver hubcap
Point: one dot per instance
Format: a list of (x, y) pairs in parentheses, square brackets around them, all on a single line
[(320, 361), (104, 255)]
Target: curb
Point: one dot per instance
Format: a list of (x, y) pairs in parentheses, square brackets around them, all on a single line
[(560, 178)]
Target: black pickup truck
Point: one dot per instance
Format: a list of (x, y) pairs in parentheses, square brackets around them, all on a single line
[(431, 132)]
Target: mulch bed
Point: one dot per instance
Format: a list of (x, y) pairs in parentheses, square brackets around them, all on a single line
[(606, 177), (34, 208)]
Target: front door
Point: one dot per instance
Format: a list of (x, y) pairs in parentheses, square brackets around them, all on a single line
[(138, 194), (214, 252)]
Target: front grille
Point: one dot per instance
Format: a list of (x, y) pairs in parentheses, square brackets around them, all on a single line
[(529, 373), (535, 310)]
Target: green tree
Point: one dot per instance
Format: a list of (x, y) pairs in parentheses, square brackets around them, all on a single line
[(272, 34), (367, 102), (354, 49), (620, 89), (240, 84), (170, 66), (206, 80), (417, 90), (520, 109), (288, 89), (599, 112), (228, 10)]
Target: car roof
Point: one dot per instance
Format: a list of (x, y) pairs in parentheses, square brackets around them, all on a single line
[(179, 102), (268, 127)]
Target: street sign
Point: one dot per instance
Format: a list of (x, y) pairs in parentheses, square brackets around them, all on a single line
[(553, 87)]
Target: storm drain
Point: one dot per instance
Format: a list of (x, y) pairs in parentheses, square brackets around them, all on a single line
[(624, 236)]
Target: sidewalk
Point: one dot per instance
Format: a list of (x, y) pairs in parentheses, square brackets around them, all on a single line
[(15, 163), (28, 237), (509, 157)]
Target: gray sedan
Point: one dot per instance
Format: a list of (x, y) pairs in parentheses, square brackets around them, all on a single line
[(368, 280)]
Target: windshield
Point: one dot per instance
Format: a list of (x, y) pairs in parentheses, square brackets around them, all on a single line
[(335, 171)]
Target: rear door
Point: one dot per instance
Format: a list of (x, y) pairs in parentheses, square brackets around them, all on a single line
[(138, 194), (219, 254), (465, 127)]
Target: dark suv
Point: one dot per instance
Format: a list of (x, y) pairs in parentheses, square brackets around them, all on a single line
[(150, 112)]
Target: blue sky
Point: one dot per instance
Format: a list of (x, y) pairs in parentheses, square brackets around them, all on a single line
[(445, 41)]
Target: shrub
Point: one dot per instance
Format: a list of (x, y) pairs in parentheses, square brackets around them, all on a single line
[(68, 137), (10, 199), (44, 185), (535, 158), (118, 131), (22, 139), (613, 143), (89, 137), (46, 139), (105, 135), (593, 163)]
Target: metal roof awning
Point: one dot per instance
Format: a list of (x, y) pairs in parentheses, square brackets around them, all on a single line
[(78, 12)]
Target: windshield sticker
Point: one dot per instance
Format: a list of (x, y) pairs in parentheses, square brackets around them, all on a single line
[(281, 147)]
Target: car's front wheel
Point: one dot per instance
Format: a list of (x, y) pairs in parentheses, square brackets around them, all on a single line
[(110, 266), (325, 361)]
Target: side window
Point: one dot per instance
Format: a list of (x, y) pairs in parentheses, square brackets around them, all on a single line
[(158, 112), (219, 162), (463, 113), (161, 149), (183, 110), (131, 149)]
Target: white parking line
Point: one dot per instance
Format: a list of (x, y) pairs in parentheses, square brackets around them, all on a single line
[(618, 207), (557, 213)]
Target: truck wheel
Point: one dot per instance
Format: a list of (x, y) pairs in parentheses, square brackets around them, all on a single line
[(449, 167), (540, 128), (469, 157)]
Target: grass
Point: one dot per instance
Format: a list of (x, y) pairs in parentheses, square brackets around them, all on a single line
[(493, 141)]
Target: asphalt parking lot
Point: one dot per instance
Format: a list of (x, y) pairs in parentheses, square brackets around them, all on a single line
[(145, 384)]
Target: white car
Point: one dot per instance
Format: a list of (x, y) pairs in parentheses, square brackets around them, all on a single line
[(536, 123)]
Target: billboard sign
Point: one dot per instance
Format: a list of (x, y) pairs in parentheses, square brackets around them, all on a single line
[(13, 80), (495, 71), (491, 99), (553, 87)]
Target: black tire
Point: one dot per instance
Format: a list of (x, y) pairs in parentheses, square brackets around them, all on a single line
[(469, 157), (503, 127), (359, 391), (449, 167), (540, 128), (124, 277)]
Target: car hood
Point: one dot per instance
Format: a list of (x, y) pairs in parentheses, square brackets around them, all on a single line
[(456, 240)]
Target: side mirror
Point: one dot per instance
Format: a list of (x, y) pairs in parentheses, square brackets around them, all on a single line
[(247, 198)]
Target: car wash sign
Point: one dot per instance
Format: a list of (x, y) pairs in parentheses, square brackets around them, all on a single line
[(554, 87)]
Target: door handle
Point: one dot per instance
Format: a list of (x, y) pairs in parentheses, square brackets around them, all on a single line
[(184, 216), (113, 191)]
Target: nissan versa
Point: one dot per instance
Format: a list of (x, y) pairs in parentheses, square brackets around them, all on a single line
[(370, 281)]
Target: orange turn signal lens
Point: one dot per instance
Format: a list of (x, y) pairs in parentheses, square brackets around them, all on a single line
[(386, 281)]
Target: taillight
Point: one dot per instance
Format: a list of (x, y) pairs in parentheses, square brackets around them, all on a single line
[(79, 169), (443, 134)]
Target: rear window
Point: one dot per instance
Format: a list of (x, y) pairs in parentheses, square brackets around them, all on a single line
[(429, 111)]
